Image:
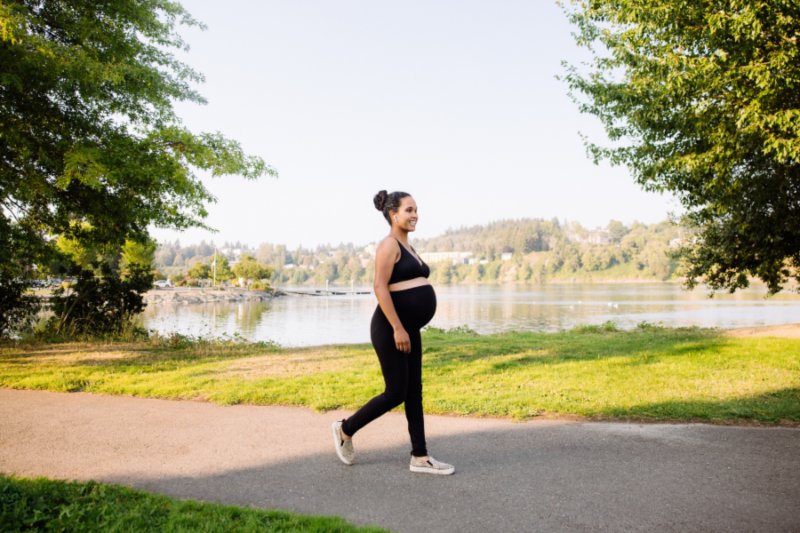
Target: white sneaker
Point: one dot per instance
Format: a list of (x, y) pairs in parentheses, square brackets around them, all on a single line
[(344, 447), (430, 466)]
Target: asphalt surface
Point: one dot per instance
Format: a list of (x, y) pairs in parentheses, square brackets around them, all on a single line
[(534, 476)]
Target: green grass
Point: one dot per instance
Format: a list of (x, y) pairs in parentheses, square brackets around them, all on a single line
[(650, 373), (46, 505)]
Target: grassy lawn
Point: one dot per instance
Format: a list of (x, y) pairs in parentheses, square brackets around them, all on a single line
[(650, 373), (45, 505)]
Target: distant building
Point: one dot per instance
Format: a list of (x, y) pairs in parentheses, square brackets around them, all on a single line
[(595, 236), (456, 258), (231, 252), (506, 256)]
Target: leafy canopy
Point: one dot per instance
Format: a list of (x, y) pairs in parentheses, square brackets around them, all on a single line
[(702, 98), (251, 270), (90, 146)]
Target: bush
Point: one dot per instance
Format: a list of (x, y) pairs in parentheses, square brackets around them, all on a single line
[(17, 309), (606, 327), (100, 304)]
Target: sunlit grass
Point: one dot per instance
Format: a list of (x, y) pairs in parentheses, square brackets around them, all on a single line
[(47, 505), (598, 372)]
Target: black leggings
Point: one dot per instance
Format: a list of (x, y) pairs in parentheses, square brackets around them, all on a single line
[(402, 373)]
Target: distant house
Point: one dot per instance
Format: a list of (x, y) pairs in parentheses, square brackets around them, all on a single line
[(506, 256), (231, 253), (456, 258), (677, 242), (595, 236)]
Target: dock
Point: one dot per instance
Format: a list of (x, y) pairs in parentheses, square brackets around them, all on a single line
[(322, 292)]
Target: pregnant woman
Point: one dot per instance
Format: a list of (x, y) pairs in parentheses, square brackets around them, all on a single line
[(406, 303)]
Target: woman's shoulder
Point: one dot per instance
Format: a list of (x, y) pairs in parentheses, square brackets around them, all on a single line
[(389, 242), (389, 246)]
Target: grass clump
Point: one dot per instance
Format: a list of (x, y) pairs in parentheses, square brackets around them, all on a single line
[(606, 327), (648, 373), (48, 505)]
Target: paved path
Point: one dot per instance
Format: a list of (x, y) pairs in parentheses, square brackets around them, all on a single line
[(536, 476)]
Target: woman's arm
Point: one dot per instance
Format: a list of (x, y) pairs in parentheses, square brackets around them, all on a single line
[(385, 258)]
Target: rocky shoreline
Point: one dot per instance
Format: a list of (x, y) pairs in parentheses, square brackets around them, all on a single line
[(196, 295)]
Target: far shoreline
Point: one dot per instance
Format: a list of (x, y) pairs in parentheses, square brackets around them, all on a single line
[(198, 295)]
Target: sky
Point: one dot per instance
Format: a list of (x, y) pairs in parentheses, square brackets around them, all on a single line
[(455, 102)]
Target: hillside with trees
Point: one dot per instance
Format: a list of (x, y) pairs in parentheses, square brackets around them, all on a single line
[(507, 251)]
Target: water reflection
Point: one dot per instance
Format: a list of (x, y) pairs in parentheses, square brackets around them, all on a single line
[(304, 321)]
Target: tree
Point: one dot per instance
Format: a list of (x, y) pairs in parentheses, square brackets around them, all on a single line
[(223, 268), (326, 271), (138, 258), (251, 270), (703, 99), (165, 254), (107, 287), (200, 270), (90, 146), (595, 258), (617, 230), (17, 307)]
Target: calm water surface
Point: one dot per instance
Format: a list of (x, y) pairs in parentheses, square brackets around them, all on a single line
[(314, 320)]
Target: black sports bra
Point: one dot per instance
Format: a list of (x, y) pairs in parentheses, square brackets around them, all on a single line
[(408, 267)]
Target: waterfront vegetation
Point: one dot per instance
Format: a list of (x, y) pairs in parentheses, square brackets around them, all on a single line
[(41, 504), (649, 373), (504, 251)]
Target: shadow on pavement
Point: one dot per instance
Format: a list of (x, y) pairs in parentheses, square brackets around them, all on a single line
[(536, 477)]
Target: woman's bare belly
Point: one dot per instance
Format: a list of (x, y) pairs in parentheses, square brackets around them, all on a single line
[(408, 284)]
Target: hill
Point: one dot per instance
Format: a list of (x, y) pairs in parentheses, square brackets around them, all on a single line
[(504, 251)]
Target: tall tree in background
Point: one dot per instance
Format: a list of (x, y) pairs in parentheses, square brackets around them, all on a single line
[(702, 98), (90, 147)]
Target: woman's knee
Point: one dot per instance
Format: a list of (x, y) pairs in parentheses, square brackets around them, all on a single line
[(414, 394), (395, 395)]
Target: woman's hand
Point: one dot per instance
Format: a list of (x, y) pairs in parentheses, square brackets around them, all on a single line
[(402, 340)]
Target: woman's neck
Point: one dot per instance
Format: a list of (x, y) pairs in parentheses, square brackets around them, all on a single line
[(400, 235)]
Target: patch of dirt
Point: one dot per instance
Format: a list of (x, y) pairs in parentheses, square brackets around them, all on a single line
[(789, 331), (277, 365), (75, 352)]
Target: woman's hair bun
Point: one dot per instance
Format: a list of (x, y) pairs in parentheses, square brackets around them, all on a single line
[(380, 200)]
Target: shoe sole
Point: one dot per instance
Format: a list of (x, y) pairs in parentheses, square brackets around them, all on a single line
[(336, 441), (426, 470)]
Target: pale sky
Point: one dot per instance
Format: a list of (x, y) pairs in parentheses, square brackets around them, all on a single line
[(455, 102)]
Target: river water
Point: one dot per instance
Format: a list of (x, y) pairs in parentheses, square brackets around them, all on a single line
[(315, 320)]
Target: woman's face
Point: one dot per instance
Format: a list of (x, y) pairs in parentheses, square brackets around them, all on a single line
[(406, 216)]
